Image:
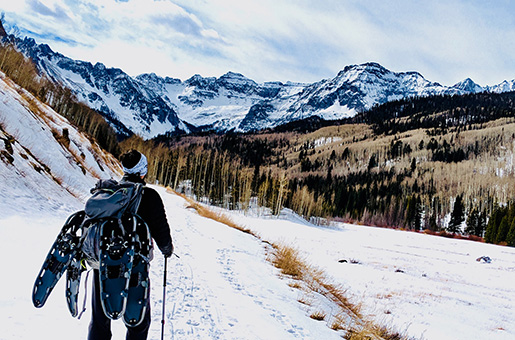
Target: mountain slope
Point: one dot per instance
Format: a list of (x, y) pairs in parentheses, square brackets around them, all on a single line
[(43, 158), (122, 100), (150, 105)]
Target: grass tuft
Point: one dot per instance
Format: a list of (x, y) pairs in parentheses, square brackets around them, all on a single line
[(318, 315), (216, 216), (289, 262)]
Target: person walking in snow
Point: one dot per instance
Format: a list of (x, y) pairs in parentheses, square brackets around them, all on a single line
[(151, 210)]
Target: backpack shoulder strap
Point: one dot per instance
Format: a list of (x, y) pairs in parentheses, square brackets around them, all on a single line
[(136, 194)]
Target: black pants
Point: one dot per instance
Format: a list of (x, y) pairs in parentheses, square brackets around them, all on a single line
[(100, 325)]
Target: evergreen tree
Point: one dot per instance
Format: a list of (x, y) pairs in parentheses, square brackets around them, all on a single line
[(472, 222), (413, 164), (481, 224), (411, 212), (504, 228), (457, 216), (493, 224), (372, 162), (433, 226), (510, 238), (418, 214)]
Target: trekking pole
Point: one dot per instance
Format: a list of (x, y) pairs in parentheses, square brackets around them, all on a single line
[(164, 299)]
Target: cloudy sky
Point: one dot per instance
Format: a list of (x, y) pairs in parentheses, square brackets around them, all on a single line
[(278, 40)]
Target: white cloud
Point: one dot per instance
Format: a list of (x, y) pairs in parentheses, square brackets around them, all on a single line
[(296, 40)]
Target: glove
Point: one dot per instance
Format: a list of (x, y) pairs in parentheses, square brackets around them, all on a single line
[(167, 250)]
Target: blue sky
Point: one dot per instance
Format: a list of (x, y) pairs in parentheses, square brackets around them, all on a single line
[(278, 40)]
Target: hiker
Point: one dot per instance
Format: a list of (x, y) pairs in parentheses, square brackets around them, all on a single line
[(151, 210)]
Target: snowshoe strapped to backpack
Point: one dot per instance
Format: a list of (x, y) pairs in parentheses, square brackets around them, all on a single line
[(112, 238), (61, 254), (110, 201)]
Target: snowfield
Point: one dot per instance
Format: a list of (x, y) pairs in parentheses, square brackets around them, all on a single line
[(223, 286), (426, 287)]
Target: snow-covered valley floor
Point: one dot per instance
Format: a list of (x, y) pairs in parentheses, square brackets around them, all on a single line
[(223, 286)]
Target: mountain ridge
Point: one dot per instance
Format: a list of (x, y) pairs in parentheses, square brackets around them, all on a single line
[(150, 105)]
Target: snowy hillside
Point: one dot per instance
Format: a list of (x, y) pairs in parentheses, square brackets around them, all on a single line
[(43, 158)]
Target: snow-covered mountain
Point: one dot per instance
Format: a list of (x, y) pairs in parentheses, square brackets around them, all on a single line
[(122, 100), (150, 105), (505, 86)]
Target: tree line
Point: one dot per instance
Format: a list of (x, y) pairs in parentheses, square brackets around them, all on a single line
[(501, 225), (218, 170), (231, 170), (439, 113)]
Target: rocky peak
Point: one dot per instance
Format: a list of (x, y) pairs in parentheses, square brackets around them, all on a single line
[(236, 82), (3, 33), (469, 86), (202, 83)]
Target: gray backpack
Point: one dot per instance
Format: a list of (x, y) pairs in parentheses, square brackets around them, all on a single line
[(110, 200)]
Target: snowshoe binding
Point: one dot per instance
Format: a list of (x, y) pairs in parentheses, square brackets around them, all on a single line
[(117, 238), (139, 288), (73, 276)]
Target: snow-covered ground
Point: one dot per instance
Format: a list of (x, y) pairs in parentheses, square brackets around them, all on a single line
[(223, 286), (424, 286)]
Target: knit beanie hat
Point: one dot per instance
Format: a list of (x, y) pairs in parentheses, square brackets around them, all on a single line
[(134, 162)]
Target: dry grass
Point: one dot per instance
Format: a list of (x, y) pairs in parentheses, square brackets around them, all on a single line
[(209, 213), (305, 301), (54, 122), (289, 262), (338, 322), (443, 233), (295, 284), (318, 315), (373, 332), (61, 138)]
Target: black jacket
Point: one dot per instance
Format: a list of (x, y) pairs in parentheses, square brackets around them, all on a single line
[(152, 211)]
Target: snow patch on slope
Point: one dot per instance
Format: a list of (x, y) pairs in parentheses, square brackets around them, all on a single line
[(34, 164)]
